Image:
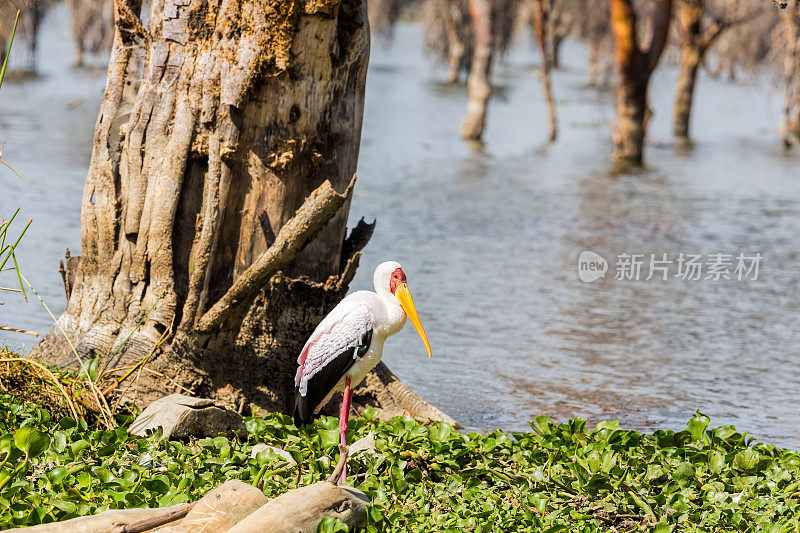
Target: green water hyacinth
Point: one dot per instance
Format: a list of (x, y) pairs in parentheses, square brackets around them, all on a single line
[(557, 477)]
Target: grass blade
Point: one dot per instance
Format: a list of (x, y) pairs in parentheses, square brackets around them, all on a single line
[(8, 51)]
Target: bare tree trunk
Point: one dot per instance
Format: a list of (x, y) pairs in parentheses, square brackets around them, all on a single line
[(696, 37), (455, 48), (541, 13), (693, 48), (790, 123), (31, 14), (210, 249), (555, 50), (92, 25), (594, 64), (684, 94), (478, 87), (383, 15), (635, 65), (559, 25)]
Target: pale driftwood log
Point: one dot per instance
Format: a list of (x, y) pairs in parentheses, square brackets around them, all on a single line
[(181, 417), (220, 509), (301, 510), (107, 522)]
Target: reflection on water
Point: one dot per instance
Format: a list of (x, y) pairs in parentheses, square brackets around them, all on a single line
[(490, 240)]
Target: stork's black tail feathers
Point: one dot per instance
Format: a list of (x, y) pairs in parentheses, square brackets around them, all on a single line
[(325, 378), (302, 414)]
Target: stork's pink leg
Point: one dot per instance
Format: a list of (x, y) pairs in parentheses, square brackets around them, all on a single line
[(346, 397)]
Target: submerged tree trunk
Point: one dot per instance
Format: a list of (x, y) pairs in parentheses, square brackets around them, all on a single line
[(451, 13), (31, 14), (92, 25), (207, 260), (696, 38), (635, 65), (478, 87), (790, 123), (693, 47), (684, 93), (555, 50), (541, 15)]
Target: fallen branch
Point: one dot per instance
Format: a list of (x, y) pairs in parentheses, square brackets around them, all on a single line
[(320, 206), (151, 523), (17, 330), (343, 453)]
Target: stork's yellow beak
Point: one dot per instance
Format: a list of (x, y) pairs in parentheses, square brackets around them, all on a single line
[(404, 296)]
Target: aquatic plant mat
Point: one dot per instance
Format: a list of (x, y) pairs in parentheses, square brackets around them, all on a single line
[(557, 477)]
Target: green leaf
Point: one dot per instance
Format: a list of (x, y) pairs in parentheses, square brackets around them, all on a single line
[(57, 475), (67, 507), (329, 437), (77, 447), (684, 472), (6, 443), (746, 460), (31, 441), (332, 525), (90, 367), (697, 425), (439, 432)]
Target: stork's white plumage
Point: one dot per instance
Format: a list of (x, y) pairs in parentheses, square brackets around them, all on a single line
[(348, 343)]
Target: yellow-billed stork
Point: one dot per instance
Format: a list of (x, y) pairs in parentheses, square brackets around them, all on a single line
[(348, 343)]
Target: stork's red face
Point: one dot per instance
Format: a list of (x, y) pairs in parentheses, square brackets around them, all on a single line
[(399, 287), (398, 277)]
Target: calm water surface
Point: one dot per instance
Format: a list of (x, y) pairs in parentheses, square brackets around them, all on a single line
[(490, 240)]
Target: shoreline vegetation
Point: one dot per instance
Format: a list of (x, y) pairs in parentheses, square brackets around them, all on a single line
[(556, 477)]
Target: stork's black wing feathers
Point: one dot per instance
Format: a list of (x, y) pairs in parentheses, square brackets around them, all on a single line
[(326, 378)]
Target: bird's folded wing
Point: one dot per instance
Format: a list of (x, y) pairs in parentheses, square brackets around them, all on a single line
[(343, 329)]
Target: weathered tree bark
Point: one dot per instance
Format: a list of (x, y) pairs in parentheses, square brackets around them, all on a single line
[(635, 64), (212, 242), (790, 123), (541, 15), (696, 37), (478, 88)]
